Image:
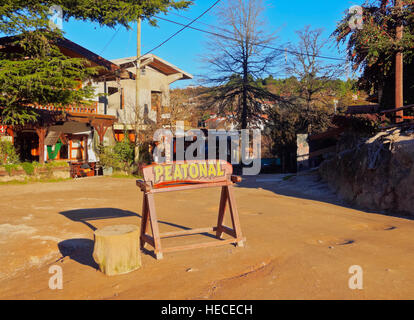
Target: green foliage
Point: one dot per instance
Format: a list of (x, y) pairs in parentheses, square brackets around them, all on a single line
[(107, 157), (372, 49), (376, 42), (36, 164), (35, 71), (56, 164), (8, 154), (145, 156), (28, 168), (11, 167), (28, 180), (124, 151), (46, 78), (119, 157), (21, 15), (121, 175)]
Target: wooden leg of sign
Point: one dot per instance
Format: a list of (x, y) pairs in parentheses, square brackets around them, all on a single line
[(222, 210), (154, 226), (144, 220), (234, 216), (227, 195)]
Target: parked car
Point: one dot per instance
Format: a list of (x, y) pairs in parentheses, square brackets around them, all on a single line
[(271, 165)]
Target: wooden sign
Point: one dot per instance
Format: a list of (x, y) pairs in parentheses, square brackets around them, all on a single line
[(185, 172), (179, 176)]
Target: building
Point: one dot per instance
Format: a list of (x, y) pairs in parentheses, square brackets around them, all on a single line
[(66, 133), (119, 94)]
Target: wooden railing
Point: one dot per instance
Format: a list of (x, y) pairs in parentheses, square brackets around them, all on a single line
[(396, 115), (398, 119), (91, 109)]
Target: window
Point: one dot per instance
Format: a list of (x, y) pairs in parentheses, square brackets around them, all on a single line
[(76, 149), (64, 152)]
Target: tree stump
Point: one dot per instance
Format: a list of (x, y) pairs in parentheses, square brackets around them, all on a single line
[(117, 249)]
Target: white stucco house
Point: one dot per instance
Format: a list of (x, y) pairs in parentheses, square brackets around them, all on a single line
[(154, 92)]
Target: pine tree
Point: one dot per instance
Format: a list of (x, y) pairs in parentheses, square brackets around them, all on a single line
[(34, 71)]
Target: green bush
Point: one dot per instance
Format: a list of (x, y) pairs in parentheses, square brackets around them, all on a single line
[(107, 157), (124, 151), (119, 157), (28, 168), (36, 164), (8, 154), (11, 167), (56, 164)]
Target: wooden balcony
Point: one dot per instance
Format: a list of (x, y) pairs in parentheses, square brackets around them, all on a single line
[(86, 109)]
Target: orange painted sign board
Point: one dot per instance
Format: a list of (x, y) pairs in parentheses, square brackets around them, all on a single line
[(196, 171), (189, 175)]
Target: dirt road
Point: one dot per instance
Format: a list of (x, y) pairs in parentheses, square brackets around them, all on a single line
[(299, 245)]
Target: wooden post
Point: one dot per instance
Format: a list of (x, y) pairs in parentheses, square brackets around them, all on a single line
[(116, 249), (234, 214), (137, 78), (222, 210), (106, 97), (145, 219), (101, 130), (399, 71), (85, 149), (41, 132)]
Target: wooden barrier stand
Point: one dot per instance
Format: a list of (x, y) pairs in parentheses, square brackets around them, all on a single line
[(179, 176)]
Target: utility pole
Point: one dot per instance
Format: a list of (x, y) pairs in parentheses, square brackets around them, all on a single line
[(399, 70), (137, 106)]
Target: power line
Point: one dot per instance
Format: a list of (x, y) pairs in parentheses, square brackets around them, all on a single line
[(260, 45), (200, 22), (182, 29), (110, 40)]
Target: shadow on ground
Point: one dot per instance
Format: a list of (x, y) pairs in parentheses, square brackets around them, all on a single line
[(305, 185), (92, 214), (79, 250), (86, 215)]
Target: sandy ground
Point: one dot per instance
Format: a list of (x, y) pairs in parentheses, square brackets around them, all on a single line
[(301, 242)]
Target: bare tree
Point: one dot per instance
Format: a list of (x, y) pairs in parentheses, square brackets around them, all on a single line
[(180, 108), (312, 72), (236, 58)]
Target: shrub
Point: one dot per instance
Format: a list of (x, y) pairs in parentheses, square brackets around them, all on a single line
[(10, 167), (8, 154), (107, 157), (56, 164), (124, 151), (28, 168), (118, 157)]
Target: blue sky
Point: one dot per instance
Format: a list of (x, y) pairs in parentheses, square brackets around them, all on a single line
[(184, 50)]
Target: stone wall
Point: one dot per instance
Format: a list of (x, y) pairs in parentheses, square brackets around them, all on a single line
[(375, 173)]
